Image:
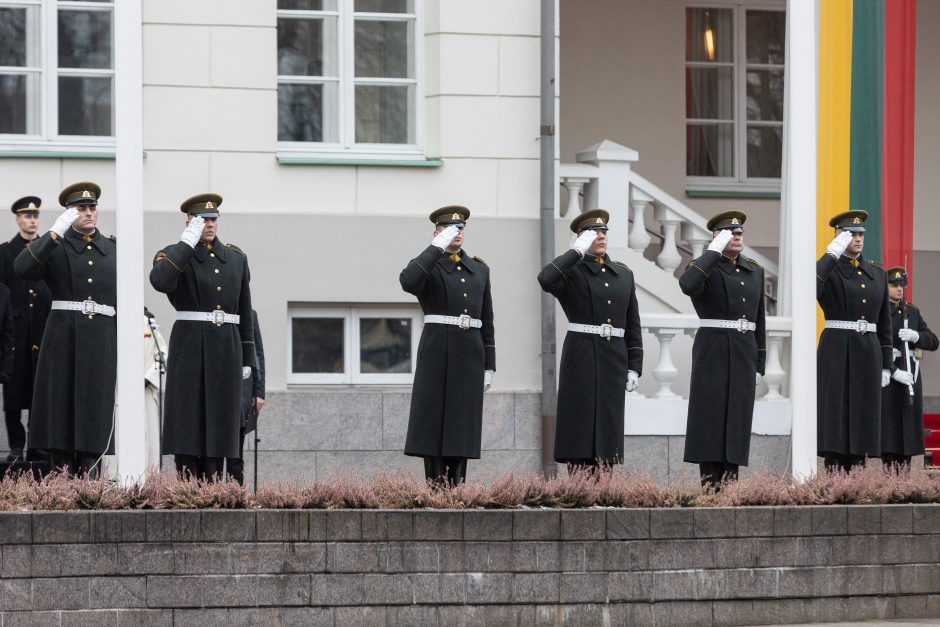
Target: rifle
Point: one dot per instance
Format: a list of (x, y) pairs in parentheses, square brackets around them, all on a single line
[(909, 399)]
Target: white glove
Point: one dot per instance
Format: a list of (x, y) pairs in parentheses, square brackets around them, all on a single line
[(487, 379), (903, 377), (721, 241), (757, 378), (584, 241), (908, 335), (246, 372), (64, 221), (443, 239), (193, 231), (838, 245), (633, 380), (885, 378)]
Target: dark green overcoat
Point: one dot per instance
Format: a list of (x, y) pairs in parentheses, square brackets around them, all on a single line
[(446, 416), (202, 411), (724, 361), (902, 425), (593, 373), (849, 363), (30, 301), (73, 395)]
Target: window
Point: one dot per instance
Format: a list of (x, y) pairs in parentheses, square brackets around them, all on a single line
[(347, 77), (56, 74), (342, 345), (734, 80)]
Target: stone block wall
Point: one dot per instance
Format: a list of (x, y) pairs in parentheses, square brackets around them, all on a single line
[(548, 567)]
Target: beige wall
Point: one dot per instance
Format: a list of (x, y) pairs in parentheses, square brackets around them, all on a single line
[(927, 138)]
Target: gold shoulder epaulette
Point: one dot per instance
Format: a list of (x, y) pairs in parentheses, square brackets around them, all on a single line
[(481, 261), (160, 255), (622, 265), (236, 249), (876, 264), (753, 261), (912, 305), (113, 238)]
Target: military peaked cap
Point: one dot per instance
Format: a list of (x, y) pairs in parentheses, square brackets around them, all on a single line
[(595, 220), (728, 220), (83, 193), (203, 205), (897, 275), (26, 204), (850, 221), (451, 214)]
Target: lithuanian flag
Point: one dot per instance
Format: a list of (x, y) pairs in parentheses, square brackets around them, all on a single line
[(865, 150)]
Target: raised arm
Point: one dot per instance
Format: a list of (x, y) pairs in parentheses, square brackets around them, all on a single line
[(695, 276), (168, 265), (554, 277), (414, 278), (31, 263)]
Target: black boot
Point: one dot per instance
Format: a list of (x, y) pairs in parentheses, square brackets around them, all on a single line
[(434, 471), (456, 470)]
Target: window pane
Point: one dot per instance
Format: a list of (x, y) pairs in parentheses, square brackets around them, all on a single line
[(85, 105), (307, 5), (317, 345), (710, 150), (19, 102), (385, 345), (764, 150), (85, 39), (709, 93), (384, 114), (306, 113), (383, 49), (765, 95), (766, 35), (384, 6), (709, 35), (306, 47), (13, 36)]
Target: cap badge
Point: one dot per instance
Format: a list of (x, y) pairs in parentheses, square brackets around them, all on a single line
[(856, 221), (86, 194), (32, 207), (456, 216), (897, 275), (735, 221), (209, 205), (599, 221)]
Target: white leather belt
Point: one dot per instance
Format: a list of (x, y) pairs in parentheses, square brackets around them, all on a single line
[(859, 326), (464, 322), (88, 307), (603, 330), (217, 317), (741, 324)]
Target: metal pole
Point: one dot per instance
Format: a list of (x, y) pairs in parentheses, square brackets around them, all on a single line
[(547, 187), (130, 436)]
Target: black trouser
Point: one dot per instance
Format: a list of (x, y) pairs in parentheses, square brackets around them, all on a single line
[(835, 462), (16, 434), (77, 463), (451, 469), (199, 467), (235, 466), (713, 473), (896, 462)]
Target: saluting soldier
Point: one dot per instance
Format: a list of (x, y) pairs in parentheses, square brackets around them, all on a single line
[(73, 399), (457, 352), (30, 301), (902, 413), (854, 358), (211, 344), (727, 291), (603, 351)]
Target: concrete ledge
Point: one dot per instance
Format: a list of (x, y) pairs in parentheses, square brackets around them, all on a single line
[(622, 566)]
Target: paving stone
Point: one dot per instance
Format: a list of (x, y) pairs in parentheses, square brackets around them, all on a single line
[(282, 525), (536, 587), (829, 520), (146, 558), (343, 525), (15, 594), (171, 591), (31, 619), (230, 590), (864, 519), (926, 518), (583, 588), (615, 555), (144, 618), (436, 589), (754, 521), (489, 588), (681, 554), (536, 525), (583, 525), (278, 558), (412, 557), (118, 592), (89, 618), (174, 526), (636, 586), (581, 615), (16, 528), (360, 616), (682, 613), (356, 557), (672, 523), (228, 525), (490, 526), (439, 525), (895, 519), (306, 617), (60, 593), (202, 558), (406, 616), (397, 525), (283, 590), (775, 552), (793, 521), (16, 561), (123, 526), (628, 524), (57, 560), (462, 556), (232, 617), (713, 522), (795, 582), (911, 607), (61, 527), (674, 585), (317, 528)]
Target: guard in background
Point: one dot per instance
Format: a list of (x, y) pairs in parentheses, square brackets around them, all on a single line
[(457, 352), (902, 402), (29, 301), (854, 358), (211, 344), (603, 351), (154, 386), (727, 291), (73, 399), (252, 401)]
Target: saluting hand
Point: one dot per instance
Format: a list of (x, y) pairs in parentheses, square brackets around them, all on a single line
[(443, 239), (193, 231), (721, 240), (633, 380), (64, 221), (839, 244), (584, 241)]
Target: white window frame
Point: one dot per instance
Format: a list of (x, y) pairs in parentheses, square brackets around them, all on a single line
[(351, 315), (346, 146), (48, 140), (740, 182)]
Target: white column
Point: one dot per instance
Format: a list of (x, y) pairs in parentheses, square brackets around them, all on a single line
[(573, 185), (665, 371), (669, 257), (798, 227), (774, 375), (639, 239), (695, 237), (130, 444)]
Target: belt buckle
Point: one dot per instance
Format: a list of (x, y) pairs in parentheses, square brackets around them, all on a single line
[(464, 321), (741, 325), (218, 317), (607, 330), (861, 326), (88, 307)]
